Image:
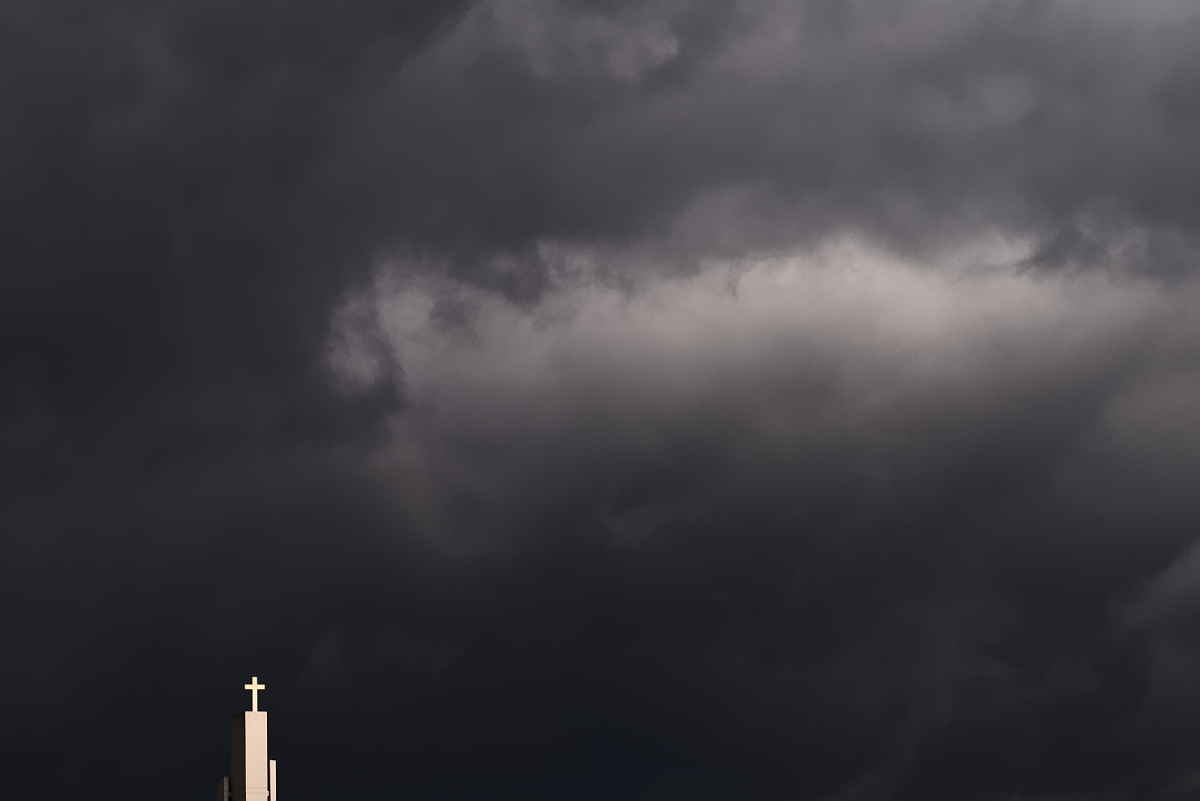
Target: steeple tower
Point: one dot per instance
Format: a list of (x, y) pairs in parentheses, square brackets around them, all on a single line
[(253, 776)]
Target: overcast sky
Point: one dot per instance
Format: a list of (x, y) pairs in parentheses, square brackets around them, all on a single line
[(679, 399)]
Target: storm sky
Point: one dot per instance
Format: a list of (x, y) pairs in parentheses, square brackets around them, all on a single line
[(678, 399)]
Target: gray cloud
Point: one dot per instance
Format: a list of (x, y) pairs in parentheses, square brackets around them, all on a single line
[(914, 124)]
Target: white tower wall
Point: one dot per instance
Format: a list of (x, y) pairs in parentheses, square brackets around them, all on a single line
[(251, 779)]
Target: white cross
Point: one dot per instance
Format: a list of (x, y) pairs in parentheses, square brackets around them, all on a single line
[(254, 687)]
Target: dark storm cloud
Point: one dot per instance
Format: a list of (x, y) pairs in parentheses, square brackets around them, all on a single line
[(835, 510), (912, 122), (653, 400)]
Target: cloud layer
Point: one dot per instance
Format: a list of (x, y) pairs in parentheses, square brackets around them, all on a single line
[(605, 400)]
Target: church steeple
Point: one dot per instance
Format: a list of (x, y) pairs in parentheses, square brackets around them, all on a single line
[(253, 776)]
